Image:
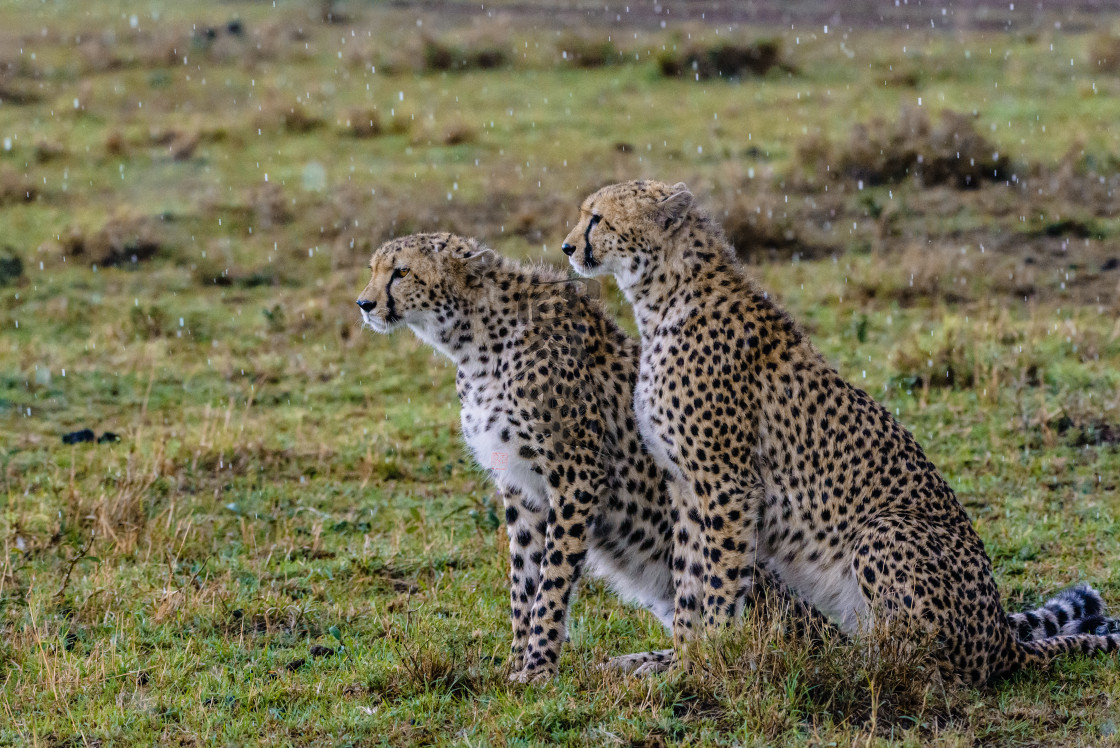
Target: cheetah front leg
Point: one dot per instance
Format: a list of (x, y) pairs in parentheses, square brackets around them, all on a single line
[(688, 577), (729, 510), (688, 572), (706, 579), (574, 487), (525, 526), (688, 563)]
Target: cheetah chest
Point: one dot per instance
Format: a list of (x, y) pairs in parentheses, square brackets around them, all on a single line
[(492, 434), (650, 424)]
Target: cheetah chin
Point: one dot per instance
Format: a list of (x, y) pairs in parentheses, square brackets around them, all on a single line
[(380, 324), (586, 266)]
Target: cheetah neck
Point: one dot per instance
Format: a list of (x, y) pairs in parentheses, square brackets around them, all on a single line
[(473, 327), (454, 337), (673, 276)]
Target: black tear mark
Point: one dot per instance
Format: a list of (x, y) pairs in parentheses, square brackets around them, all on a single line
[(392, 316), (588, 259)]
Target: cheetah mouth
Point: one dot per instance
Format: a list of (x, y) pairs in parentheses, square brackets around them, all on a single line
[(382, 325), (586, 265)]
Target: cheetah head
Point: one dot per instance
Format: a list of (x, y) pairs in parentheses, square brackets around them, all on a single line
[(418, 280), (621, 225)]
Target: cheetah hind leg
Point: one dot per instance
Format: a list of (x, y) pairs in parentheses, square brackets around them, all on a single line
[(767, 589), (642, 663), (763, 588)]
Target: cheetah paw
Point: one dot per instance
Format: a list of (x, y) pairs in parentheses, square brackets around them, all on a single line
[(641, 663), (532, 675)]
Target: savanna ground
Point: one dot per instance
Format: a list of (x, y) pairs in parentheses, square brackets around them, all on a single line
[(287, 544)]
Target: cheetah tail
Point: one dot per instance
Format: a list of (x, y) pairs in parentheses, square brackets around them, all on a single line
[(1041, 653), (1076, 610)]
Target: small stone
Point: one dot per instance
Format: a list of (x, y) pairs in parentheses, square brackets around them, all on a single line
[(77, 437)]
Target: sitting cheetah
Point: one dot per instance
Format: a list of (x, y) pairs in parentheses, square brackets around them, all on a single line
[(785, 462)]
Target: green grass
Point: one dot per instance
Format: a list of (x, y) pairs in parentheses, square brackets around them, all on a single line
[(285, 481)]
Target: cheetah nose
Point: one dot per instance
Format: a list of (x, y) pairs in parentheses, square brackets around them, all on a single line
[(568, 249), (366, 306)]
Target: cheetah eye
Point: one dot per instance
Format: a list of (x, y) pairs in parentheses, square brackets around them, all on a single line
[(595, 218), (401, 272)]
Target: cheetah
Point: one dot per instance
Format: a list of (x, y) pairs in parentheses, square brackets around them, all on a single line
[(545, 382), (784, 462)]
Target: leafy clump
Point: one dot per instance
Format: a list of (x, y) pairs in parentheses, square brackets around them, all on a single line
[(723, 60), (1104, 53), (442, 56), (11, 267), (125, 238), (878, 152), (587, 52)]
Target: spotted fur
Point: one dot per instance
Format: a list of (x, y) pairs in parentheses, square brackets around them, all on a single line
[(783, 462)]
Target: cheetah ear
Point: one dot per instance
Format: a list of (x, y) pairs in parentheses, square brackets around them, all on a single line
[(673, 208), (458, 248), (471, 260), (471, 251), (477, 253)]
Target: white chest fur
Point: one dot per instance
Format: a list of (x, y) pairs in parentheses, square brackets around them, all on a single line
[(494, 441)]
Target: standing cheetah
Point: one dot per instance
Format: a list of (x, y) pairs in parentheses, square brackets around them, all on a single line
[(545, 381), (785, 462)]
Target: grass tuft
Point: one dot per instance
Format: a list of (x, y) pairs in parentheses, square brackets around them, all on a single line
[(951, 152), (1104, 53), (722, 60)]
